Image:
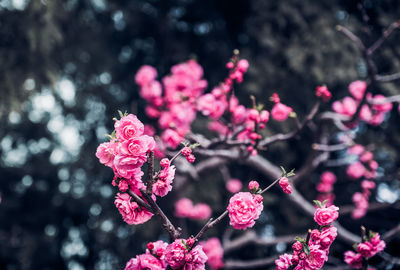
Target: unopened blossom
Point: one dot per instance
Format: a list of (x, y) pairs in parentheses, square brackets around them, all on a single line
[(191, 158), (214, 251), (280, 112), (323, 92), (234, 185), (326, 215), (243, 210), (254, 185), (131, 212), (285, 185)]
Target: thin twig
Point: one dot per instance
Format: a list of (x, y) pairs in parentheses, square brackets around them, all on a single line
[(150, 173), (383, 38)]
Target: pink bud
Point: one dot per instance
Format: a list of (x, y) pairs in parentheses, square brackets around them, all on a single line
[(150, 246), (264, 116), (164, 163), (191, 158), (229, 65), (254, 185), (297, 246), (258, 198), (295, 259), (190, 241), (186, 151)]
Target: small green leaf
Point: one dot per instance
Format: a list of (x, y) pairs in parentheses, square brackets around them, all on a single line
[(193, 146), (283, 170), (324, 203), (120, 114), (291, 173), (355, 245), (113, 134), (371, 234), (306, 249), (108, 136), (318, 203), (300, 239)]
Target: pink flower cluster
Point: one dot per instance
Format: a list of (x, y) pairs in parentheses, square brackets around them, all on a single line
[(325, 187), (125, 154), (360, 199), (280, 112), (165, 177), (181, 255), (366, 249), (244, 208), (372, 113), (365, 166), (214, 251), (313, 254), (174, 107), (285, 185), (184, 208), (153, 259)]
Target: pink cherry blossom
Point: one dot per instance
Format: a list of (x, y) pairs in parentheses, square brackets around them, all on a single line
[(183, 207), (365, 249), (357, 149), (357, 89), (326, 215), (328, 177), (106, 153), (178, 257), (128, 127), (243, 210), (285, 185), (382, 106), (283, 262), (355, 170), (280, 112), (131, 212), (145, 75), (171, 138), (353, 259), (377, 244), (200, 211), (144, 262), (316, 258), (214, 251), (234, 185)]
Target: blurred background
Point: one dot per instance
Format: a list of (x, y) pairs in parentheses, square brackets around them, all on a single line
[(67, 66)]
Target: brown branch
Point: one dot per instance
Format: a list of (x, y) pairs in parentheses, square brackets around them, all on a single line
[(166, 223), (330, 148), (237, 264), (383, 38), (351, 36), (347, 209), (211, 223), (139, 200), (250, 237), (393, 233), (388, 78), (150, 173), (287, 136)]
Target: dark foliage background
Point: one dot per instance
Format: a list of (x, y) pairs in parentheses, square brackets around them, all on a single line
[(67, 66)]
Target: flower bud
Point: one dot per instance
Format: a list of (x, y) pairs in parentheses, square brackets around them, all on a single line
[(150, 246), (297, 246), (186, 151), (253, 185), (164, 163)]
